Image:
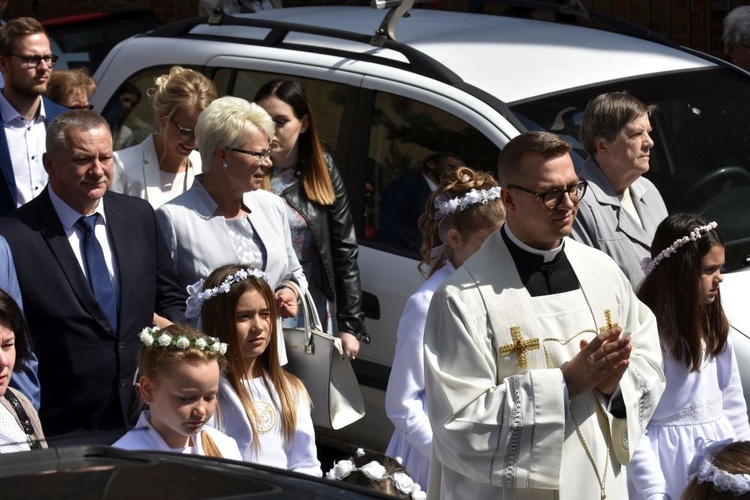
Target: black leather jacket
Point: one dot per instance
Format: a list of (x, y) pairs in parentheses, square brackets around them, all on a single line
[(333, 232)]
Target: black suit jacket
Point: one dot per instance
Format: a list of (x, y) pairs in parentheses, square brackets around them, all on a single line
[(403, 202), (86, 370)]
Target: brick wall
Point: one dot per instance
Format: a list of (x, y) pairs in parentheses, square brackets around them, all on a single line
[(694, 23)]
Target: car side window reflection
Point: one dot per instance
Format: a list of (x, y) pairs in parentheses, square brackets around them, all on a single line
[(326, 98), (411, 143), (129, 111)]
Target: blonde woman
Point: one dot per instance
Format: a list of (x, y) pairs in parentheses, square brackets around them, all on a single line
[(165, 164)]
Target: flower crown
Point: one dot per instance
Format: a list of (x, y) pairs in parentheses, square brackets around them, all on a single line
[(446, 205), (375, 471), (694, 235), (706, 472), (154, 337), (198, 295)]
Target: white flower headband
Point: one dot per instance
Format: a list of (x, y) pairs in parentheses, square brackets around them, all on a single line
[(375, 471), (738, 484), (198, 295), (445, 205), (694, 235), (154, 337)]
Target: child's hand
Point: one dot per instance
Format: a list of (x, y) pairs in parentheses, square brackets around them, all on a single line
[(286, 302)]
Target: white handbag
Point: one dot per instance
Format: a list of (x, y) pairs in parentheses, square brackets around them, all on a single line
[(318, 359)]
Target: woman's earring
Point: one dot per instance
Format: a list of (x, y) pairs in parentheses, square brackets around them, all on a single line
[(224, 164)]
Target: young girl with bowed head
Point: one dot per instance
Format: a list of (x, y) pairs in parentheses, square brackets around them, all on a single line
[(261, 405), (721, 471), (317, 208), (463, 211), (179, 380), (377, 472), (703, 399)]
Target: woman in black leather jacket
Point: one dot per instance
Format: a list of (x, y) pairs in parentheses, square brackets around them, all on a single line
[(322, 229)]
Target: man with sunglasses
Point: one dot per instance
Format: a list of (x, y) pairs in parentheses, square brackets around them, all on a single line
[(541, 365), (622, 212), (26, 63)]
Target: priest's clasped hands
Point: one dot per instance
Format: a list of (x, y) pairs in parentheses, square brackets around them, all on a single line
[(599, 364)]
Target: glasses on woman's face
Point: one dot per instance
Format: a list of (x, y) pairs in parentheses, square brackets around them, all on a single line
[(81, 106), (261, 156), (186, 134), (552, 198)]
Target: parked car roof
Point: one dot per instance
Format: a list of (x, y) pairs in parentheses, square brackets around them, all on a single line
[(583, 56)]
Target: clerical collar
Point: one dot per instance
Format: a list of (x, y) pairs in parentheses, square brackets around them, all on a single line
[(547, 255), (540, 277)]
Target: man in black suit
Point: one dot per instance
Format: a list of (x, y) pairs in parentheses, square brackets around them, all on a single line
[(404, 200), (87, 339)]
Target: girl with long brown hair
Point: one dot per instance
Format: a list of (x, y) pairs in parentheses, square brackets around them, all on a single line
[(261, 405), (703, 399)]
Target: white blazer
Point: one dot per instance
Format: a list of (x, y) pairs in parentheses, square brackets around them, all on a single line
[(136, 173), (200, 242)]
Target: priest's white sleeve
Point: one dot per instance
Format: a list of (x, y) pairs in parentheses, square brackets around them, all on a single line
[(508, 433), (643, 383)]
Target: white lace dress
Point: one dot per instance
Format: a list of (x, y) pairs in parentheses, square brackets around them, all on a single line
[(708, 404)]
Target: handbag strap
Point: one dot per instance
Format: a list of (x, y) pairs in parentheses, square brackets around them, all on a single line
[(312, 324), (24, 419)]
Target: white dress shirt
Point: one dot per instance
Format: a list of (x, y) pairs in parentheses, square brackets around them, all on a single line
[(68, 217), (26, 145)]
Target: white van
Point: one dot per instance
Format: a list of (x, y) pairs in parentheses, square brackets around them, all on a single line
[(464, 84)]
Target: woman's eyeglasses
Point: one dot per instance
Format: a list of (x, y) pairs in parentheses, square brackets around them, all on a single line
[(261, 156), (81, 106), (186, 134)]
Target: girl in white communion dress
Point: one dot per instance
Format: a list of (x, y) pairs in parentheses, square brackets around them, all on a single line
[(265, 408), (179, 380)]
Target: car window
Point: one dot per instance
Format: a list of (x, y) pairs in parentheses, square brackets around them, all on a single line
[(700, 161), (129, 111), (403, 134), (326, 98)]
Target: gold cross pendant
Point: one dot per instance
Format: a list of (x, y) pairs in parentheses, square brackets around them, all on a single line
[(608, 319), (519, 346)]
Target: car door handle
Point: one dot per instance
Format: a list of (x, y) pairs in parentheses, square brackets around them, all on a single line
[(370, 305)]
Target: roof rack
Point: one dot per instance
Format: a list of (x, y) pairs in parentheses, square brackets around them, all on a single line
[(418, 62), (398, 9)]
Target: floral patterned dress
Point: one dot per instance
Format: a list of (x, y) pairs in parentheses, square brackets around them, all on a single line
[(303, 243)]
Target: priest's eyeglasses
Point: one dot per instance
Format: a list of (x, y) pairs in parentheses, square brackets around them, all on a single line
[(552, 198), (262, 156)]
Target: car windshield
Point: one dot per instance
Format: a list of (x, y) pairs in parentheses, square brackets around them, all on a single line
[(701, 158)]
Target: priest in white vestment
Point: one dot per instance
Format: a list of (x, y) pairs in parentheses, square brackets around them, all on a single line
[(542, 368)]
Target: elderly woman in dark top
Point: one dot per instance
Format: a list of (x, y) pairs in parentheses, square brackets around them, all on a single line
[(317, 207), (20, 429)]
